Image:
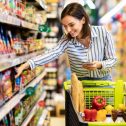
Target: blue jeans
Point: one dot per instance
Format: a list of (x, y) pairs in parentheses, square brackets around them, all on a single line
[(107, 77)]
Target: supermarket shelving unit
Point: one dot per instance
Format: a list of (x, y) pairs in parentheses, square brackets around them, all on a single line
[(11, 60), (33, 111), (16, 98)]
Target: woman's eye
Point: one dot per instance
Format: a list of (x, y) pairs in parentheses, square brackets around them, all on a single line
[(71, 25)]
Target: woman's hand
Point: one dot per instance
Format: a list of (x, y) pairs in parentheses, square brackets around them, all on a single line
[(20, 69), (93, 65)]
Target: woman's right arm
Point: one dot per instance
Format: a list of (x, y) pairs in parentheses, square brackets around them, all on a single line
[(47, 57)]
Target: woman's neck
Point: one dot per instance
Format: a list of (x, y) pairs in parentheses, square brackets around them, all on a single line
[(84, 41)]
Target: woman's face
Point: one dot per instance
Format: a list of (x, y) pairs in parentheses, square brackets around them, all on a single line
[(72, 25)]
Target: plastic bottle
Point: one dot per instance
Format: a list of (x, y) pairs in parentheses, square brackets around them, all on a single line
[(108, 118)]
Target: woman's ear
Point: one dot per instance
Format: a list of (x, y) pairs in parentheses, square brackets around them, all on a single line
[(83, 20)]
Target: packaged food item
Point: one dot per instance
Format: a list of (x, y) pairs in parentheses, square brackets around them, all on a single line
[(11, 118), (18, 114), (5, 121), (7, 85), (1, 91), (17, 83)]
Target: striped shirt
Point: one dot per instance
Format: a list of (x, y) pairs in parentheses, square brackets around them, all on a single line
[(101, 49)]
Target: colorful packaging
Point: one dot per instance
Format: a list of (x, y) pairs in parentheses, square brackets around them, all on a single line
[(7, 84), (1, 91)]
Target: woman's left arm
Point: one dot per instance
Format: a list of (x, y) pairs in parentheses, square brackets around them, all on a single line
[(110, 58)]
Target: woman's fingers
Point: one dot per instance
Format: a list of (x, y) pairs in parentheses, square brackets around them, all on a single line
[(90, 67), (18, 71), (21, 68), (17, 75)]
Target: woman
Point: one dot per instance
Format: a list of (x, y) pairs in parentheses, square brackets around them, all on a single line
[(90, 49)]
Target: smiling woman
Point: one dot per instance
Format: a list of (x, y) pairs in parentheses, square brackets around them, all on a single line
[(83, 43), (72, 25), (76, 21)]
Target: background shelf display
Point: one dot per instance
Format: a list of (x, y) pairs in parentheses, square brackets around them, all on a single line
[(51, 69), (40, 4), (42, 118), (29, 25), (11, 20), (4, 18), (20, 28), (10, 62), (33, 111), (16, 99)]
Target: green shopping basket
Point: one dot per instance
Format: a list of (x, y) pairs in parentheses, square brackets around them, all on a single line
[(112, 91)]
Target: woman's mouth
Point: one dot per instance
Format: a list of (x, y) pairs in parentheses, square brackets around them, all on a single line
[(72, 34)]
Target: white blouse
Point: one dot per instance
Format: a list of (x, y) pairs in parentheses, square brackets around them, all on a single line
[(101, 49)]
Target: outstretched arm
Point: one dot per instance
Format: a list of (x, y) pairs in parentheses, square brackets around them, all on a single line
[(47, 57)]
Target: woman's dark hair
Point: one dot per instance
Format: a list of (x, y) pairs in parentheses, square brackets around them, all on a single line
[(77, 11)]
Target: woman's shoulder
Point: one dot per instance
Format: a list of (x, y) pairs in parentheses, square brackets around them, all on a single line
[(98, 27)]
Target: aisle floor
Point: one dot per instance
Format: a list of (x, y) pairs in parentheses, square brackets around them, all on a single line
[(57, 121)]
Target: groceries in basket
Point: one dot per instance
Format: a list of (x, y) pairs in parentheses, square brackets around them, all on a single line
[(98, 102), (99, 110)]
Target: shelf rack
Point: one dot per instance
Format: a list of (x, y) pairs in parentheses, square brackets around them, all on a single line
[(5, 109)]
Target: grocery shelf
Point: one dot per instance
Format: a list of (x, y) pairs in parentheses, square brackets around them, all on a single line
[(50, 45), (49, 87), (36, 80), (40, 4), (10, 105), (51, 69), (33, 111), (29, 25), (16, 99), (12, 20), (42, 118), (52, 16), (8, 19), (10, 62)]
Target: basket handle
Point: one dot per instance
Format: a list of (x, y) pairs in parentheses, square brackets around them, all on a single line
[(97, 83), (103, 84)]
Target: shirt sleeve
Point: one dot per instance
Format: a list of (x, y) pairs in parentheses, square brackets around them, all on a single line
[(110, 58), (50, 54)]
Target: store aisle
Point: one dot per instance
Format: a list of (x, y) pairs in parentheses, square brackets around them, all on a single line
[(57, 121)]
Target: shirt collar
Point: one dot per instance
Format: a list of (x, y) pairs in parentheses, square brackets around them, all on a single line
[(93, 32), (93, 35)]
